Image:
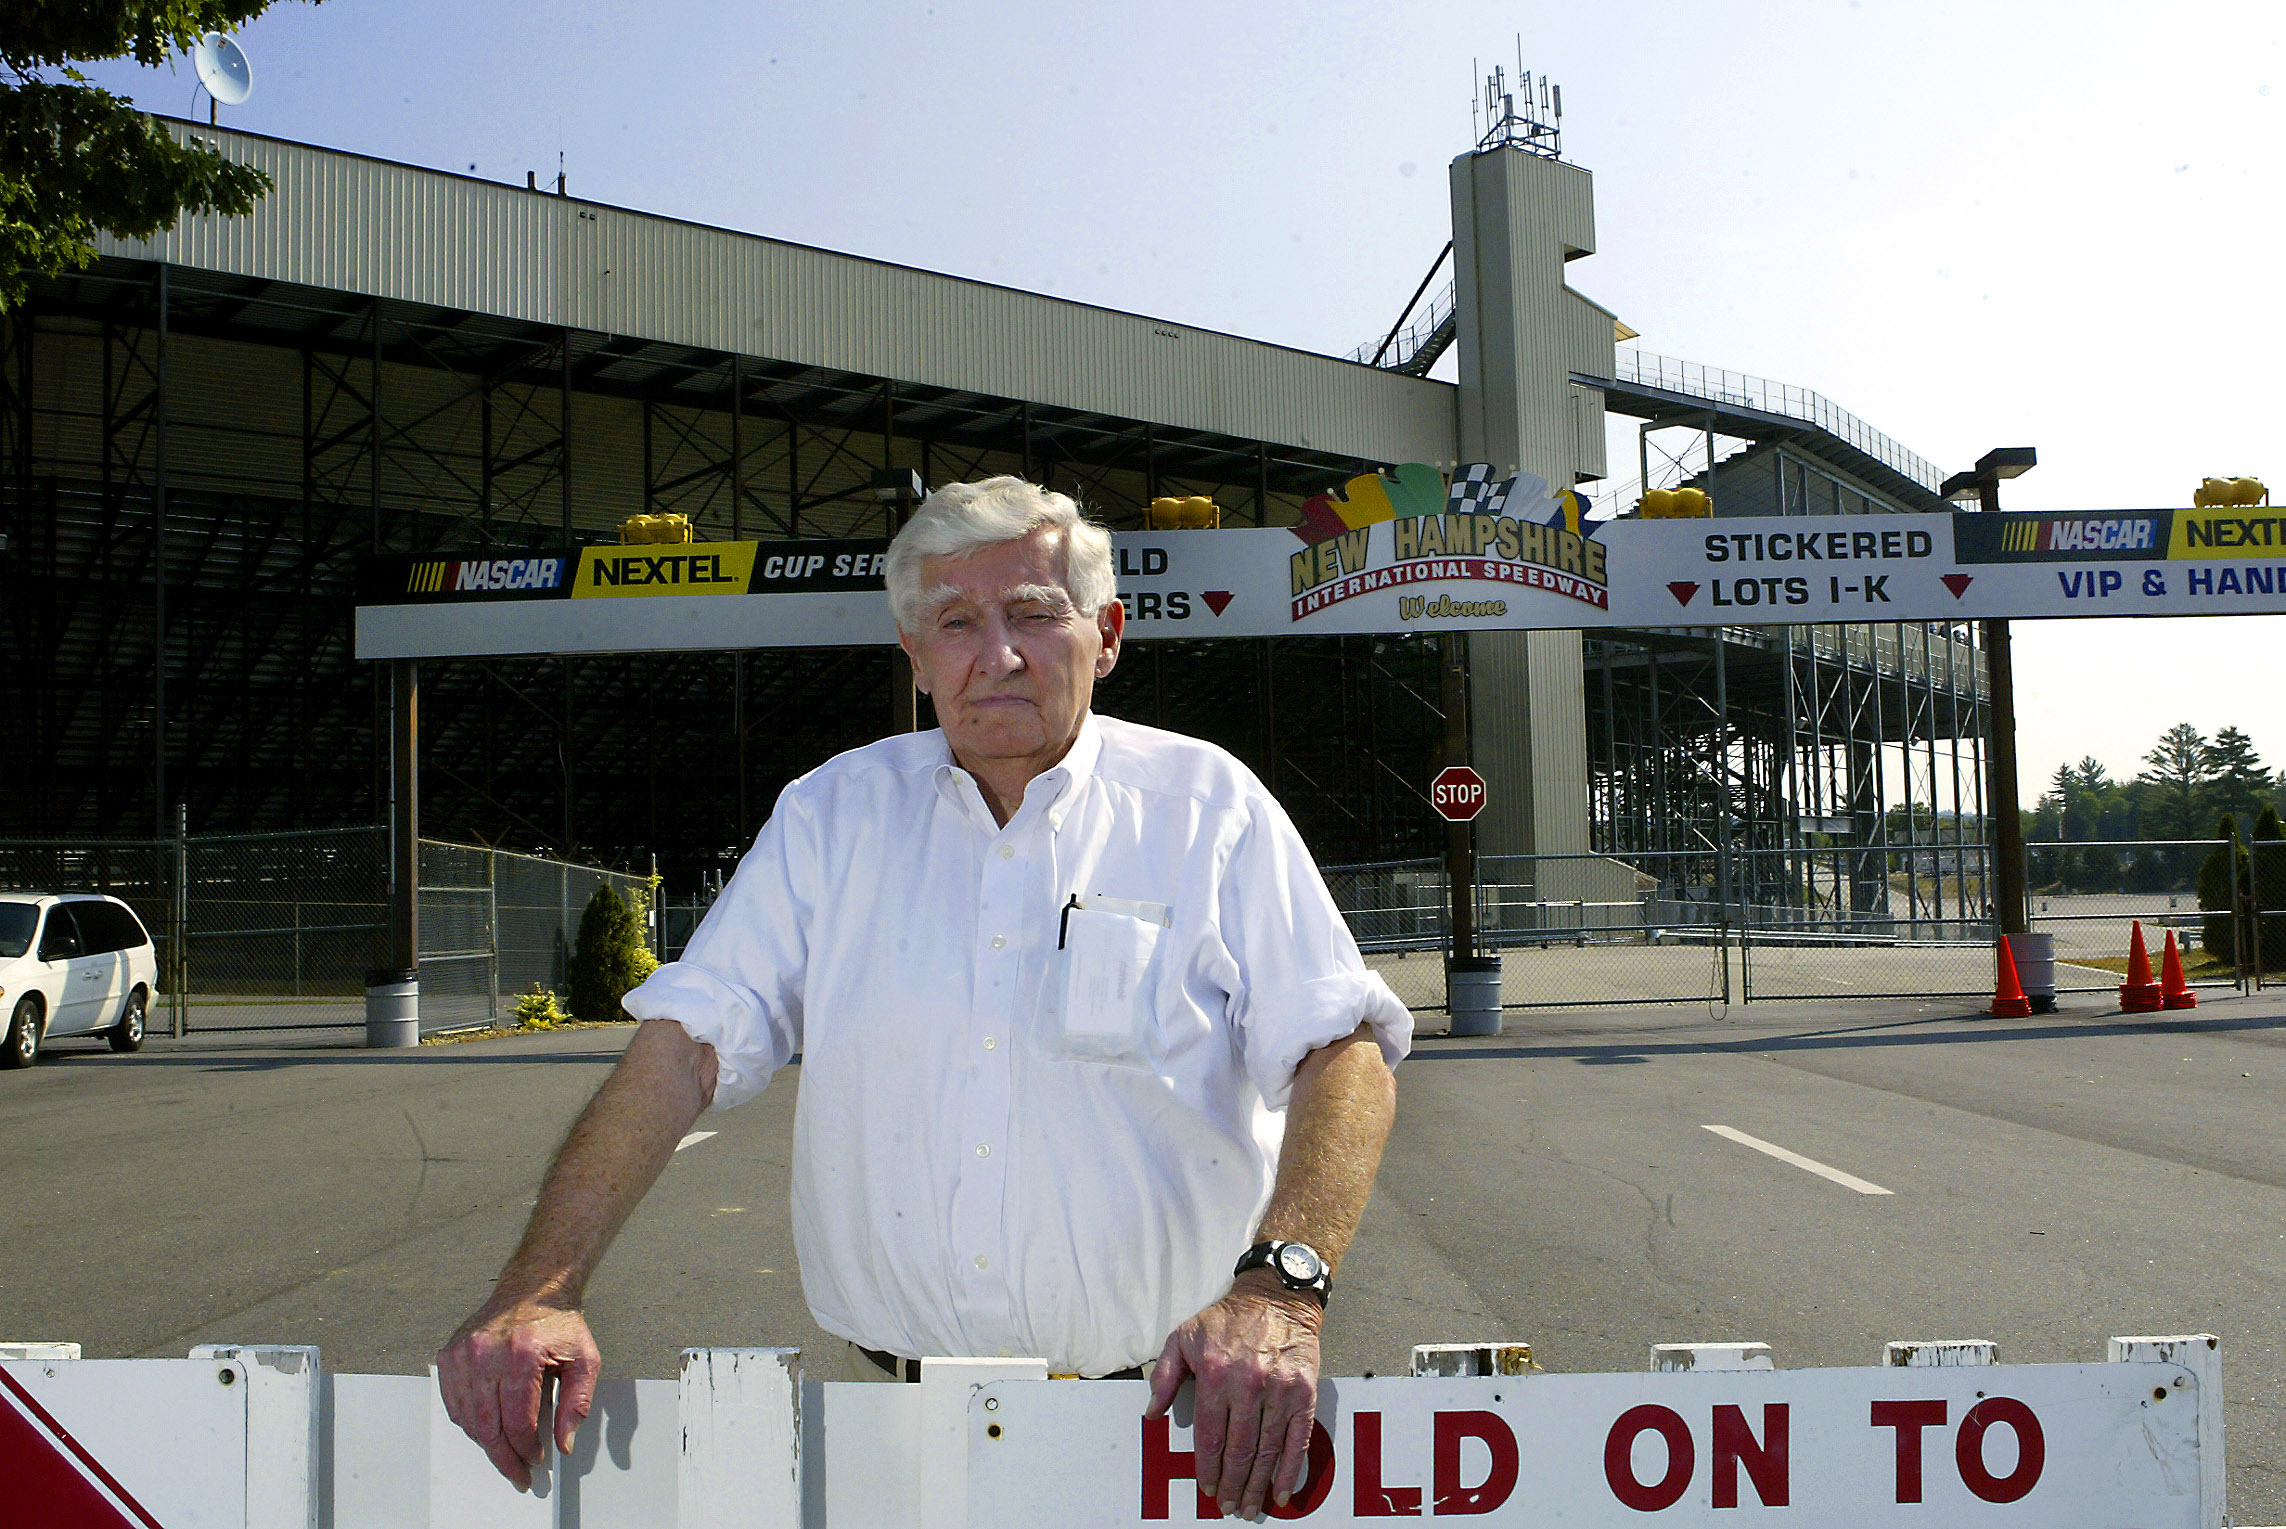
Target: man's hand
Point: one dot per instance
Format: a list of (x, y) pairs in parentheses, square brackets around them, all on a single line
[(1255, 1355), (494, 1372), (494, 1376)]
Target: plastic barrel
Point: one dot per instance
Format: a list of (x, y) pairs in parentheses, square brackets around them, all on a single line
[(1472, 994), (392, 1010), (2036, 968)]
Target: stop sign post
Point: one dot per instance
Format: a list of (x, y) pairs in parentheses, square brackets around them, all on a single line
[(1457, 793)]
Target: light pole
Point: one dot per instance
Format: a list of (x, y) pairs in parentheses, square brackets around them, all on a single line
[(2010, 904), (899, 489)]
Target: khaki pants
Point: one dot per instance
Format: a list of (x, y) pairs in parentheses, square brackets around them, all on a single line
[(855, 1366)]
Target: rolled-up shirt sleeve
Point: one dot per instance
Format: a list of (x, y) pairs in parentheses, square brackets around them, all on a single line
[(1302, 983), (738, 985)]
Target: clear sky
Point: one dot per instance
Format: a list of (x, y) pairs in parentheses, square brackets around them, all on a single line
[(2007, 222)]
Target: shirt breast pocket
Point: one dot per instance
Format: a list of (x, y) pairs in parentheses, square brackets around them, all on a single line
[(1108, 994)]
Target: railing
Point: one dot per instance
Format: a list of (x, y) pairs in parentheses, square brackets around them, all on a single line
[(1647, 369), (1408, 342)]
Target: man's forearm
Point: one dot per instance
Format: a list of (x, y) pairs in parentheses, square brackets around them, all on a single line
[(616, 1150), (1344, 1101)]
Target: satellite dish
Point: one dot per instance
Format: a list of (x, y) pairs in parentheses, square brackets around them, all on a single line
[(223, 69)]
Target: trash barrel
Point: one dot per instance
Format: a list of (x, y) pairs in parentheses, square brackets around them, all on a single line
[(1472, 994), (392, 1009), (2036, 968)]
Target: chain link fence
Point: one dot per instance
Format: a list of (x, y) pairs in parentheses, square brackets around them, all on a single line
[(1818, 923), (2266, 889), (141, 873), (1828, 922), (2088, 897), (262, 932)]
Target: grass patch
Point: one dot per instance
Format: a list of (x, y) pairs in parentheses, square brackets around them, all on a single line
[(455, 1037), (2198, 965)]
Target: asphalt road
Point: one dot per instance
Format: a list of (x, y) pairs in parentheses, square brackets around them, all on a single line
[(2055, 1181)]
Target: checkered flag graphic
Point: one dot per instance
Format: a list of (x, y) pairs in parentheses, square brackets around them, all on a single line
[(1472, 484)]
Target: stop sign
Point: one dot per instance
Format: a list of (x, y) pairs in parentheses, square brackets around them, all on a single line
[(1457, 793)]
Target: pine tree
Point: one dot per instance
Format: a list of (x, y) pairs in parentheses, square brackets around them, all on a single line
[(2240, 781), (2177, 782), (609, 960), (2268, 881), (2219, 930)]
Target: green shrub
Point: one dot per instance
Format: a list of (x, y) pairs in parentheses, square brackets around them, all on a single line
[(610, 958), (2267, 880), (2219, 931), (538, 1010)]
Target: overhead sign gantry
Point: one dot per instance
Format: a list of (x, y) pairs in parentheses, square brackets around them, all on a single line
[(1403, 552)]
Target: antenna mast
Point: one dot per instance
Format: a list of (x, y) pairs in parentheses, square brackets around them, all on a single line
[(1535, 126)]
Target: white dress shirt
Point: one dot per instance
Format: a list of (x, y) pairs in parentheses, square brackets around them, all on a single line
[(1002, 1146)]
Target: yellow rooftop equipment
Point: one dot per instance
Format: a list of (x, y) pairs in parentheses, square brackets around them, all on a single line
[(1195, 512), (670, 529)]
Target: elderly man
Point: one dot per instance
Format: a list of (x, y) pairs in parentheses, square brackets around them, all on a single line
[(1091, 1068)]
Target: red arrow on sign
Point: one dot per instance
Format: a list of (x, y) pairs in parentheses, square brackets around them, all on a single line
[(1457, 793), (1958, 583), (52, 1479), (1217, 599), (1682, 590)]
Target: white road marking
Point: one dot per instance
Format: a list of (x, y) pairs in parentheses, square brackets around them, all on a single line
[(1846, 1180), (696, 1137)]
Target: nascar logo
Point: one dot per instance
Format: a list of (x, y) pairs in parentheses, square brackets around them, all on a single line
[(2120, 533), (459, 575)]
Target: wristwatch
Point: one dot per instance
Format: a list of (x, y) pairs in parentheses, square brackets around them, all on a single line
[(1297, 1265)]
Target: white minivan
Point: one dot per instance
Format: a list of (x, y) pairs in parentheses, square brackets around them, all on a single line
[(72, 964)]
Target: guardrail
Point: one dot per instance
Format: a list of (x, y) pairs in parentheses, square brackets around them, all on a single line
[(1649, 369), (261, 1438)]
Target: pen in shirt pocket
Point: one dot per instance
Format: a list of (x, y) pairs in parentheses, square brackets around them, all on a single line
[(1148, 913)]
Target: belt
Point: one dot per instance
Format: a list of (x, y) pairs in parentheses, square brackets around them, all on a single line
[(909, 1370)]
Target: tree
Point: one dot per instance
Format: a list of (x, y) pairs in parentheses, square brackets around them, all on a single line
[(610, 959), (2241, 783), (76, 160), (2267, 877), (2219, 931), (2177, 782)]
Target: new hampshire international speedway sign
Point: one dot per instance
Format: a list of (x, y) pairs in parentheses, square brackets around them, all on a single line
[(1405, 551)]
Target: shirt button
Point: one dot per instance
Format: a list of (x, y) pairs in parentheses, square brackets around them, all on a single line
[(999, 940), (989, 1043), (982, 1262), (984, 1149), (1007, 851)]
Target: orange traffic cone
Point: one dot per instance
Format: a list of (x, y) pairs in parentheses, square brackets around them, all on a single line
[(2008, 1000), (2139, 994), (2174, 992)]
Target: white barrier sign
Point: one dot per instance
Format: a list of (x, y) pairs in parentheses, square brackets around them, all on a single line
[(2054, 1446), (258, 1438), (132, 1443)]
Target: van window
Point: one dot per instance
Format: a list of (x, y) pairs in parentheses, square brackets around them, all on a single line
[(60, 940), (132, 935), (106, 927), (17, 921)]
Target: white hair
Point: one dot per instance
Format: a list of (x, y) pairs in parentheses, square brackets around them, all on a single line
[(964, 518)]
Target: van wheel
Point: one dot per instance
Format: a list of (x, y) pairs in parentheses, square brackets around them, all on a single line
[(127, 1035), (22, 1047)]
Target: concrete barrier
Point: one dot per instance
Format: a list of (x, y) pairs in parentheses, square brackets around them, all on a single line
[(260, 1438)]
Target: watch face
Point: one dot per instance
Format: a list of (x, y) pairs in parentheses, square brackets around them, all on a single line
[(1299, 1263)]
